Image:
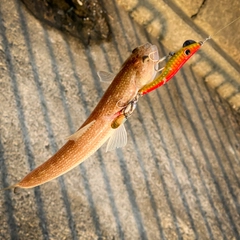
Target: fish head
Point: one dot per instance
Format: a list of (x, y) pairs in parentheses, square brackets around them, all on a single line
[(143, 61)]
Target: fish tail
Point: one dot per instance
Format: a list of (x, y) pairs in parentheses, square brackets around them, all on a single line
[(15, 187)]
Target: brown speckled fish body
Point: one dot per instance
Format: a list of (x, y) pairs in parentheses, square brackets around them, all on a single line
[(136, 71)]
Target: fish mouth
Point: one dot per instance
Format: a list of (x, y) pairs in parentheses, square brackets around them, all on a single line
[(149, 50), (154, 56), (152, 52)]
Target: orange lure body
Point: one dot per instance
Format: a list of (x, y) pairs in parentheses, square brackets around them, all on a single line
[(173, 65)]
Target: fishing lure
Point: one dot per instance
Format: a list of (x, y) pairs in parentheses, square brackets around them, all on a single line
[(176, 61), (137, 70), (173, 65)]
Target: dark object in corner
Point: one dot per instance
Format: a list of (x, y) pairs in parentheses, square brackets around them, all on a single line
[(84, 19)]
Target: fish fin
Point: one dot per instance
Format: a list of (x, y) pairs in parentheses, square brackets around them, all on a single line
[(106, 77), (118, 139), (14, 187), (80, 132)]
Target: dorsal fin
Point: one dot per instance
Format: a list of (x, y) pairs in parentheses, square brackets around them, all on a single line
[(105, 77), (80, 132)]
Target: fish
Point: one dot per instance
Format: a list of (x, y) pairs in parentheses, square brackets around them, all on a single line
[(103, 123), (135, 79)]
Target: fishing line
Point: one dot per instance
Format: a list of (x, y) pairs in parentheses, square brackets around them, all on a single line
[(210, 36)]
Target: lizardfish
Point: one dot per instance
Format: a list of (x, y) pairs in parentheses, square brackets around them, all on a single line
[(137, 70)]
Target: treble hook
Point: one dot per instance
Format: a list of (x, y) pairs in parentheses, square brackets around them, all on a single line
[(128, 110), (161, 60)]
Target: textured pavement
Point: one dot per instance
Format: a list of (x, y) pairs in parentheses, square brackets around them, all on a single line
[(177, 178)]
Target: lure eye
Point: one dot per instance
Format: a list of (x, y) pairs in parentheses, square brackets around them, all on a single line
[(144, 58), (187, 52), (188, 42)]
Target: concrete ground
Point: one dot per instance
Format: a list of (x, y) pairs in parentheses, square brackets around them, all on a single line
[(179, 175)]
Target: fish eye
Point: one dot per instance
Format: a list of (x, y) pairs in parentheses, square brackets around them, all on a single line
[(187, 51), (144, 58), (134, 50), (188, 42)]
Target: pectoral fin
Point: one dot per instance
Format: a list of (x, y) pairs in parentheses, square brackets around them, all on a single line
[(118, 139), (80, 132), (106, 77)]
